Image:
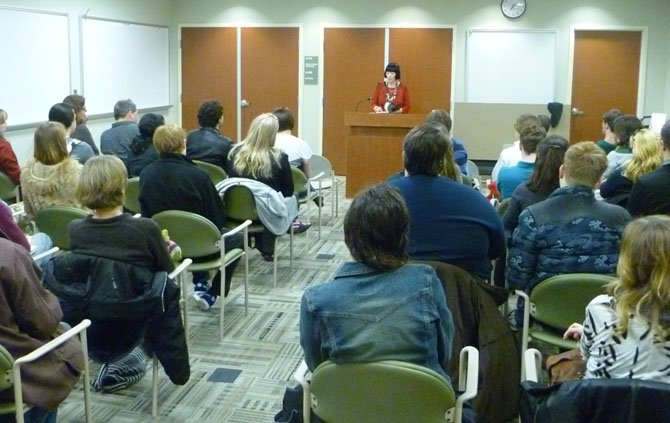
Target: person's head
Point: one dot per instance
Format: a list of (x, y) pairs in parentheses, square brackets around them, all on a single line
[(392, 71), (584, 164), (50, 147), (256, 153), (530, 136), (149, 123), (125, 109), (61, 112), (545, 122), (550, 154), (425, 149), (170, 138), (285, 118), (608, 119), (262, 132), (643, 286), (3, 122), (440, 116), (524, 120), (624, 128), (78, 103), (210, 113), (647, 155), (376, 227), (665, 136), (102, 183)]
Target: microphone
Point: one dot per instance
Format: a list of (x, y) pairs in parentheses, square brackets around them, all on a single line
[(362, 101)]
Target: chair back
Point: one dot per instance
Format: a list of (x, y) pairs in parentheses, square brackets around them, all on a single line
[(560, 300), (383, 391), (55, 222), (216, 173), (319, 164), (240, 204), (299, 180), (7, 188), (197, 236), (6, 364), (473, 170), (132, 200)]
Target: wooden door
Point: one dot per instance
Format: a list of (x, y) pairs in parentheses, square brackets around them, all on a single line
[(269, 71), (605, 76), (209, 72), (424, 55), (353, 64)]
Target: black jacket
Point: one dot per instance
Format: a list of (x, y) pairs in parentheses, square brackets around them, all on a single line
[(650, 194), (126, 304), (208, 145)]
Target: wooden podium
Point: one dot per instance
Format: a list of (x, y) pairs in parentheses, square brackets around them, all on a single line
[(374, 146)]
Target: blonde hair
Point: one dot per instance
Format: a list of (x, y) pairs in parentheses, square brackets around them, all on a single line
[(584, 163), (3, 116), (647, 155), (49, 143), (102, 183), (643, 287), (169, 138), (255, 154)]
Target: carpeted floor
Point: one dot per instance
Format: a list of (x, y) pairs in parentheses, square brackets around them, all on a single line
[(243, 378)]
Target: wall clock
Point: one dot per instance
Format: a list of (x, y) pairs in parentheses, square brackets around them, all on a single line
[(513, 9)]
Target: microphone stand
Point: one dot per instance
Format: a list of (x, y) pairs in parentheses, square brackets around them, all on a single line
[(362, 101)]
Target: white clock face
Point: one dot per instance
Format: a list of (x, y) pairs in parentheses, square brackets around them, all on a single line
[(513, 8)]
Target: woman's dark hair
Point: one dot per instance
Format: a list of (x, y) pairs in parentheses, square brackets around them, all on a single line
[(625, 127), (148, 125), (393, 67), (550, 153), (376, 227), (285, 118), (62, 113), (425, 147)]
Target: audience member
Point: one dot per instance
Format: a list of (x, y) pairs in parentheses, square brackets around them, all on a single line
[(449, 221), (207, 144), (298, 151), (570, 231), (545, 122), (647, 157), (650, 194), (624, 127), (625, 332), (111, 244), (50, 177), (62, 113), (460, 153), (142, 150), (256, 158), (609, 142), (36, 243), (511, 155), (29, 318), (511, 176), (411, 321), (81, 132), (174, 182), (116, 140), (542, 182), (8, 163)]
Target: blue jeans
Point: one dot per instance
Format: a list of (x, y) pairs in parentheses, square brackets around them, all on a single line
[(34, 415), (235, 241), (40, 243)]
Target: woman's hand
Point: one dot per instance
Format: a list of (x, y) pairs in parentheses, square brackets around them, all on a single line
[(574, 332), (377, 109)]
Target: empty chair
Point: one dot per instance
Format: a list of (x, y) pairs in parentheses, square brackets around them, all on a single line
[(55, 221), (320, 165), (306, 194)]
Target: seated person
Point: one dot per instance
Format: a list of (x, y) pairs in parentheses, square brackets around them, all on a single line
[(207, 144), (511, 155), (173, 182), (609, 142), (449, 221), (113, 244), (64, 114), (510, 177), (460, 153), (624, 127), (570, 231), (142, 150), (542, 182), (36, 243), (650, 194), (81, 132), (625, 331), (647, 157), (29, 318), (9, 165), (408, 319), (297, 149)]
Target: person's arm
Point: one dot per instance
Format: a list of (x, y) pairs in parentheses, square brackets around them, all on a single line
[(286, 176), (83, 133), (522, 261), (445, 328), (511, 216), (460, 153), (8, 163), (10, 229), (310, 333), (611, 185), (638, 200)]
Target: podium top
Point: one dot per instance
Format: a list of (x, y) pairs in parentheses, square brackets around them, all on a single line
[(386, 120)]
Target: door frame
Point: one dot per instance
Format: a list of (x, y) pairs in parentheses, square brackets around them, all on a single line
[(238, 94), (642, 71)]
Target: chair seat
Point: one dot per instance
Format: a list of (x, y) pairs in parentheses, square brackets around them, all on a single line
[(255, 226), (7, 408), (552, 339), (230, 256)]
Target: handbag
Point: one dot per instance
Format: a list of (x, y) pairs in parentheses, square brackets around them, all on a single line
[(568, 365)]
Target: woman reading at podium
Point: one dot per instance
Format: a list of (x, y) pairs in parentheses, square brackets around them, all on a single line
[(391, 96)]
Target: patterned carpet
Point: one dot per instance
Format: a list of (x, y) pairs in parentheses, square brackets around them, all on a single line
[(243, 378)]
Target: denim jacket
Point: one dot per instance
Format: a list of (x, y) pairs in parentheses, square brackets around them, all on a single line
[(366, 315)]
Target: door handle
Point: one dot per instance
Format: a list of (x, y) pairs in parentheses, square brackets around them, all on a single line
[(244, 103), (576, 112)]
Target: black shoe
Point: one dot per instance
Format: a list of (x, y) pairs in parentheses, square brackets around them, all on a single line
[(299, 227), (268, 256)]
